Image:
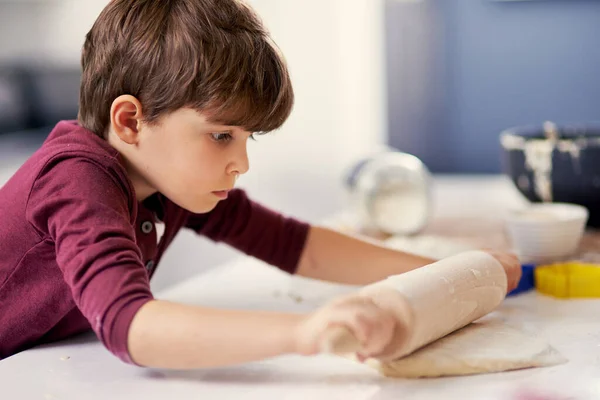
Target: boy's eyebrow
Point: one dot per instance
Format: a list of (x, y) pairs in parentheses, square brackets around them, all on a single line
[(211, 130), (218, 128)]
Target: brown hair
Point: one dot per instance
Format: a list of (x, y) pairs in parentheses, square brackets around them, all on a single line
[(214, 56)]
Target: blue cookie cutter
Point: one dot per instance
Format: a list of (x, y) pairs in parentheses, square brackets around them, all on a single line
[(527, 281)]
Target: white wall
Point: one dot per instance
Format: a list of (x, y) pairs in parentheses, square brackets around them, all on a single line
[(335, 52), (21, 29), (333, 48), (69, 22), (46, 30)]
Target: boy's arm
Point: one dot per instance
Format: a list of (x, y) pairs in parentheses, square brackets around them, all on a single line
[(313, 252), (336, 257), (81, 205), (253, 229), (171, 335), (280, 241)]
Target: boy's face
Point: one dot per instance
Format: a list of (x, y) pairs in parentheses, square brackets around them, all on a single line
[(191, 161)]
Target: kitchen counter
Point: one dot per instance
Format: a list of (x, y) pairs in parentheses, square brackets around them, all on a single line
[(81, 368)]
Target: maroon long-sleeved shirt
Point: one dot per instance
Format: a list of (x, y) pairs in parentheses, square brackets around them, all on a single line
[(77, 250)]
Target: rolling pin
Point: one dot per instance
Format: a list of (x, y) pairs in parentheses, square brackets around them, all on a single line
[(430, 302)]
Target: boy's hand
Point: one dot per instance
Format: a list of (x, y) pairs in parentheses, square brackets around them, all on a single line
[(512, 267), (371, 325)]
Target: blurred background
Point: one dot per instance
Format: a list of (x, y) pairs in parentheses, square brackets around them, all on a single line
[(436, 78)]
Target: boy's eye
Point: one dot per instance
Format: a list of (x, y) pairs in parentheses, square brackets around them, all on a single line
[(221, 137)]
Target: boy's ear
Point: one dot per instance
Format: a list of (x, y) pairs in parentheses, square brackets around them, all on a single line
[(126, 118)]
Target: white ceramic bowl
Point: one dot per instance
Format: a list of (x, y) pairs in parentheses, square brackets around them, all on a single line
[(546, 232)]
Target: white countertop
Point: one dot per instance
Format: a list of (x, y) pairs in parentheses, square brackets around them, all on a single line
[(82, 369)]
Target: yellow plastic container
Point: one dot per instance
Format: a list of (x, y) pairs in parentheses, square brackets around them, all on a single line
[(568, 280)]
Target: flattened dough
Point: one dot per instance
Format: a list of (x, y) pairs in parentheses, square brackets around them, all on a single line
[(481, 347)]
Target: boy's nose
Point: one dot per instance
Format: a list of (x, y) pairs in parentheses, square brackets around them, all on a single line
[(240, 165), (244, 163)]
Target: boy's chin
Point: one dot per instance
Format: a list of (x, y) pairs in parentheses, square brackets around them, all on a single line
[(203, 207)]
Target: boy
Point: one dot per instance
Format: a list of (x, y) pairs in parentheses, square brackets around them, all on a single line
[(171, 92)]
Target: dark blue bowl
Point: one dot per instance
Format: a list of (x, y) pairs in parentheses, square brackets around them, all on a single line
[(574, 158)]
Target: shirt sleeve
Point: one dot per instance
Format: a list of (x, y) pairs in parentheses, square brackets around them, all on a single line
[(84, 207), (254, 230)]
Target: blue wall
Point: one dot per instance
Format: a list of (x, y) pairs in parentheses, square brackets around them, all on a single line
[(505, 63)]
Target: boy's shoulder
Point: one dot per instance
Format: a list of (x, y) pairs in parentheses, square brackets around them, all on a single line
[(70, 142), (73, 172), (68, 138), (70, 152)]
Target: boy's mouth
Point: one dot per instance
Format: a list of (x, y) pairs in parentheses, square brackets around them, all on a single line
[(222, 194)]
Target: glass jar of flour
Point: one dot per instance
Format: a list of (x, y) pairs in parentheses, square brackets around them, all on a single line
[(391, 193)]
